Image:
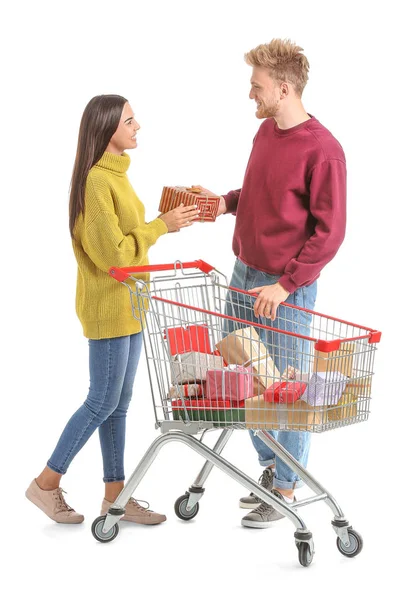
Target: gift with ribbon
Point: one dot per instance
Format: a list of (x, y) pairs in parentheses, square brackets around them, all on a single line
[(284, 392), (192, 367), (234, 383), (188, 390), (172, 197), (244, 347)]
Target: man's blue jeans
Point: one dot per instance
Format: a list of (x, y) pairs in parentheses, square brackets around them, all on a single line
[(113, 365), (285, 350)]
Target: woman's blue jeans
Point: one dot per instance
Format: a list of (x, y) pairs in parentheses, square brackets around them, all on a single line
[(285, 351), (113, 365)]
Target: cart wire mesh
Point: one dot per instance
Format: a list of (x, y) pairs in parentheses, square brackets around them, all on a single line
[(213, 363)]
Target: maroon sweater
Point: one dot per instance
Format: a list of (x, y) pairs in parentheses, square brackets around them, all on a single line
[(290, 212)]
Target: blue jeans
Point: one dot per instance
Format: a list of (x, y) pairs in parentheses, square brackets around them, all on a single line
[(113, 365), (285, 351)]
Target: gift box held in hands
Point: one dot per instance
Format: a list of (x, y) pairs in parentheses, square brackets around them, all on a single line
[(234, 383), (172, 197)]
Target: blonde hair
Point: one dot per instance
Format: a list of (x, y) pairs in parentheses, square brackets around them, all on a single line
[(285, 61)]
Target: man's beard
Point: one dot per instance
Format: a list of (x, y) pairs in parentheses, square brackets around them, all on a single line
[(265, 112)]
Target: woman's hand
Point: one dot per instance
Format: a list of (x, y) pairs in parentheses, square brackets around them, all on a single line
[(182, 216)]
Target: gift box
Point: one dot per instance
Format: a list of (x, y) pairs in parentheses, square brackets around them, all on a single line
[(192, 367), (193, 338), (244, 347), (219, 412), (284, 392), (346, 408), (172, 197), (360, 386), (188, 390), (297, 416), (340, 360), (235, 383), (324, 388), (291, 373)]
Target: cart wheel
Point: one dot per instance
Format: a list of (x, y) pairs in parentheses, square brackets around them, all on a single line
[(305, 556), (181, 511), (97, 530), (355, 546)]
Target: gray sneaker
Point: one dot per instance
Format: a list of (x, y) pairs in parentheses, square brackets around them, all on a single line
[(252, 501), (264, 515)]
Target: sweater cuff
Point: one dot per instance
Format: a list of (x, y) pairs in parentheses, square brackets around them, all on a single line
[(156, 229), (287, 283), (231, 201)]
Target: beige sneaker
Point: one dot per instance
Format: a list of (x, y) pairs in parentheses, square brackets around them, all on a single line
[(53, 504), (136, 513)]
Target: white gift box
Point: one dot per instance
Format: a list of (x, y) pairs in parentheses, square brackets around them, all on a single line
[(192, 366), (325, 388)]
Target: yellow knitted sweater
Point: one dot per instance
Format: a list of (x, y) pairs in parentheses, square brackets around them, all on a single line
[(112, 232)]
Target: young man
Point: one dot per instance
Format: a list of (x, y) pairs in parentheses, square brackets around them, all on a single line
[(290, 222)]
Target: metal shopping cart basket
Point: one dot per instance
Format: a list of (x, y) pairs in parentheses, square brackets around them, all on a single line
[(213, 365)]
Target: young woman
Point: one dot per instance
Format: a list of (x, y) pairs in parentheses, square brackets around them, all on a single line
[(108, 228)]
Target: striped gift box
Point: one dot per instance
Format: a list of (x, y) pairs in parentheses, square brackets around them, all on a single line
[(188, 390), (174, 196)]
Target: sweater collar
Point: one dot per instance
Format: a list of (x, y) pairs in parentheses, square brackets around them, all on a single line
[(296, 128), (118, 163)]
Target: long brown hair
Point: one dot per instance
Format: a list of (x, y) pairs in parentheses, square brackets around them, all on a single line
[(98, 124)]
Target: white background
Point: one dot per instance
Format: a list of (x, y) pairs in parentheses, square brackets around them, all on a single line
[(181, 66)]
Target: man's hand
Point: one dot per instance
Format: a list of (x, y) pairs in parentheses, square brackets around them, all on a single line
[(269, 297), (222, 208)]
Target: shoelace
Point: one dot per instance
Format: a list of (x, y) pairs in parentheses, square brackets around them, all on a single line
[(138, 505), (267, 508), (265, 481), (61, 503)]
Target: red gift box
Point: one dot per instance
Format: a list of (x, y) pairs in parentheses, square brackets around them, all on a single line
[(285, 392), (236, 383), (193, 338), (172, 197)]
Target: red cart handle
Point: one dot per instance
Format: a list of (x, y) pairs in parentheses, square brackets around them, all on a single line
[(122, 273)]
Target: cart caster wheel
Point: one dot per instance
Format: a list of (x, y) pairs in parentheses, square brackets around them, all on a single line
[(97, 530), (180, 508), (305, 555), (355, 546)]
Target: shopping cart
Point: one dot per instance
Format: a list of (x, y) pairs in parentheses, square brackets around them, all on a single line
[(213, 365)]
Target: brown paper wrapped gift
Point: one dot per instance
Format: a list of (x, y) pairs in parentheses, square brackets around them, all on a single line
[(293, 416), (340, 360), (244, 347)]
